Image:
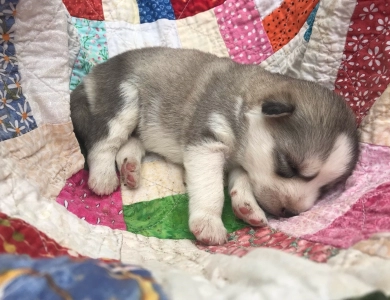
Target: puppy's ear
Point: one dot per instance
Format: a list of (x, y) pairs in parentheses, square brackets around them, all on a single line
[(276, 109)]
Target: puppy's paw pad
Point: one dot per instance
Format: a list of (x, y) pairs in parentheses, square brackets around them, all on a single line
[(130, 173), (257, 222), (209, 230), (251, 214), (103, 184)]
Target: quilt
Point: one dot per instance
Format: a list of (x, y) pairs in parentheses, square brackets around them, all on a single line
[(339, 249)]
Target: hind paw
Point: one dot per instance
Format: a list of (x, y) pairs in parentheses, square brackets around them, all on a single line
[(130, 173)]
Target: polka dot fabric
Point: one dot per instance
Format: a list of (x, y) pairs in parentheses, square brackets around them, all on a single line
[(188, 8), (242, 31), (285, 21), (153, 10), (87, 9), (364, 72)]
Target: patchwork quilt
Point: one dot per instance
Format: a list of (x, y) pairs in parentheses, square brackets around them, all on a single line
[(137, 242)]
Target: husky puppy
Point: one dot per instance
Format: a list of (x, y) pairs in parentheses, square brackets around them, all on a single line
[(281, 140)]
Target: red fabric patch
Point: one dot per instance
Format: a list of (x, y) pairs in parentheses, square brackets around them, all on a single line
[(364, 71), (285, 22), (188, 8), (369, 215), (87, 9), (18, 237), (247, 239)]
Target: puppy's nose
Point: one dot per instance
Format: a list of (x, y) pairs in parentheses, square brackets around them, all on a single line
[(285, 213)]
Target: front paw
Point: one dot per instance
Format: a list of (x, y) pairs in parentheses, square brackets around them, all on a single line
[(246, 208), (208, 229), (103, 183)]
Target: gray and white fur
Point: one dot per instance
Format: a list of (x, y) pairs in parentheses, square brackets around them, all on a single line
[(281, 140)]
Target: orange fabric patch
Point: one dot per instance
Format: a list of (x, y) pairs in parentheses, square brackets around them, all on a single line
[(285, 21)]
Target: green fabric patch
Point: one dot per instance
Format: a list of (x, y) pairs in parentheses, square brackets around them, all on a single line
[(167, 218)]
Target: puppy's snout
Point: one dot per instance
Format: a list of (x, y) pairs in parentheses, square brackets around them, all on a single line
[(285, 213)]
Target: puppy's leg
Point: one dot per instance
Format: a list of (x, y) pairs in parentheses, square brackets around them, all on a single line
[(204, 176), (243, 201), (103, 179), (128, 161)]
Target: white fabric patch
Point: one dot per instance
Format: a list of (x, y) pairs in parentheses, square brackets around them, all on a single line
[(122, 36), (121, 10), (201, 32), (317, 60), (73, 43), (159, 179), (266, 7), (41, 43)]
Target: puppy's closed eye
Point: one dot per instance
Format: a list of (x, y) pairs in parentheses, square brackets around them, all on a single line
[(285, 167)]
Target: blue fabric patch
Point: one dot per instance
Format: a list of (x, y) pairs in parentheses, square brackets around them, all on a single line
[(15, 112), (68, 278), (152, 10), (310, 22), (93, 48)]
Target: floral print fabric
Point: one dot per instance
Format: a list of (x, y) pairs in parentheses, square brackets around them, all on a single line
[(15, 113), (364, 72), (74, 278), (93, 48)]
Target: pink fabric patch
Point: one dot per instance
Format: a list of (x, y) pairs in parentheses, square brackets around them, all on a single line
[(243, 32), (243, 241), (372, 171), (97, 210), (369, 215)]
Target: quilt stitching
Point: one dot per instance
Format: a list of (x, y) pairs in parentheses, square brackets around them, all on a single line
[(188, 2), (44, 27)]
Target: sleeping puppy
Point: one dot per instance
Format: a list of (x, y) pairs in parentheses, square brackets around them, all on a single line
[(280, 140)]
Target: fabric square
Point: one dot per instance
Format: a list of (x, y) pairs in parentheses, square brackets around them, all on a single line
[(366, 58), (121, 10), (285, 22), (100, 210), (15, 112), (201, 32), (241, 28), (288, 60), (89, 9), (310, 22), (159, 179), (153, 10), (93, 48), (122, 36), (75, 278), (189, 8), (19, 237), (318, 59), (167, 218), (247, 239), (369, 215), (265, 8), (43, 59), (375, 126)]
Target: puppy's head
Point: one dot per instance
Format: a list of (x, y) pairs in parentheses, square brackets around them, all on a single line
[(301, 140)]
